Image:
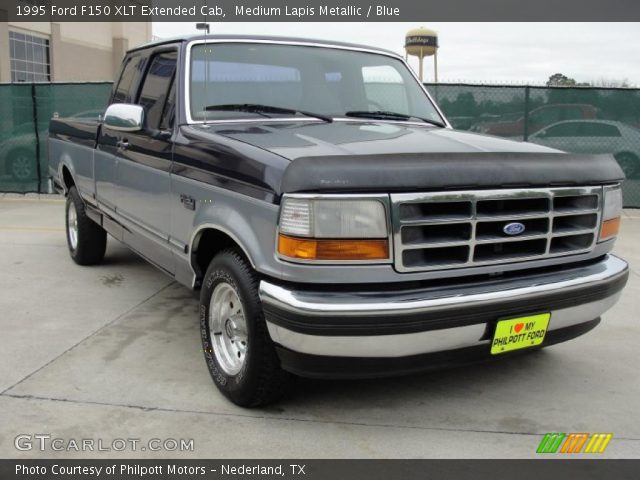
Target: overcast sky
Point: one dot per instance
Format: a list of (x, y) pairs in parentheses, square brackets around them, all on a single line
[(484, 52)]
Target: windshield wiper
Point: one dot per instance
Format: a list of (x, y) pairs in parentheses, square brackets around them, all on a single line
[(262, 109), (384, 114)]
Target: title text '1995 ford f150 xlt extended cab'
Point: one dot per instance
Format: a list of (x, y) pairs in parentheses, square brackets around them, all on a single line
[(334, 223)]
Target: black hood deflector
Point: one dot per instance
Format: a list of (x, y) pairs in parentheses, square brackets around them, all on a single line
[(447, 171)]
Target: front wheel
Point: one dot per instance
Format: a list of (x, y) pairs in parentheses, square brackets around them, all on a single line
[(237, 348), (87, 241)]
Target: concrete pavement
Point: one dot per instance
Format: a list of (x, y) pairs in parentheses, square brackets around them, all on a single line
[(113, 352)]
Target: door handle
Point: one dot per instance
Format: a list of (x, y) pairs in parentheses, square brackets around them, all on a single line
[(188, 202), (122, 144)]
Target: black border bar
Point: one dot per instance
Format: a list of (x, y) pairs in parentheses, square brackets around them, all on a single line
[(545, 468), (321, 10)]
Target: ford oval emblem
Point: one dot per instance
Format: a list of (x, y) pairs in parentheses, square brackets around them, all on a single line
[(515, 228)]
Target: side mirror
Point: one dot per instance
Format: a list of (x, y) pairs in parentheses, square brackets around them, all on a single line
[(124, 117)]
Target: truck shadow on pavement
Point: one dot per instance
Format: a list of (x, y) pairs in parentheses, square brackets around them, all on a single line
[(460, 381)]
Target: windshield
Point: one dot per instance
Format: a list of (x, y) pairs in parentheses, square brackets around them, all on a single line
[(326, 81)]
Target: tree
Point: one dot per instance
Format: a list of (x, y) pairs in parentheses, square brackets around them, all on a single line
[(560, 80)]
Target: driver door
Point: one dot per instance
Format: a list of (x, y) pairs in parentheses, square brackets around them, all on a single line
[(144, 162)]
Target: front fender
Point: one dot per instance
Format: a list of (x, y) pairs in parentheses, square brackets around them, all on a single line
[(250, 223)]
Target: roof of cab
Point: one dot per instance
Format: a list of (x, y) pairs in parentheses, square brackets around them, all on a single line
[(262, 38)]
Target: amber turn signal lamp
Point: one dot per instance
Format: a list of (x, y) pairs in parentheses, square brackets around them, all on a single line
[(610, 228), (325, 249)]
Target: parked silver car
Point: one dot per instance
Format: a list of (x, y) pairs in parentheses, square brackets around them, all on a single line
[(18, 151), (595, 136)]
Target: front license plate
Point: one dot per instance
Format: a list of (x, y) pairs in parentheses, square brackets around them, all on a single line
[(521, 332)]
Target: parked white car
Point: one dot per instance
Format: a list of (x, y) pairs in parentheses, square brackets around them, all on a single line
[(595, 136)]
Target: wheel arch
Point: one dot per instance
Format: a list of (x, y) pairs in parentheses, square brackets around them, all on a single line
[(67, 178), (207, 241)]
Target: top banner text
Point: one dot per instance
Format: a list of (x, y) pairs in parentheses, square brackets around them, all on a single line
[(316, 11)]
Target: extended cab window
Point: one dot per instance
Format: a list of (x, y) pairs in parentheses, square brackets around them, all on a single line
[(122, 92), (156, 86), (328, 81)]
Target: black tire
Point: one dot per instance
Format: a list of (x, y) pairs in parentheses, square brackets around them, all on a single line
[(629, 163), (260, 379), (91, 239)]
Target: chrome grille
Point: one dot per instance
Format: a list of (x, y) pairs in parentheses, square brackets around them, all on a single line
[(434, 231)]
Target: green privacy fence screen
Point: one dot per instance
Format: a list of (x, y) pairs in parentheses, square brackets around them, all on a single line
[(581, 120), (25, 111)]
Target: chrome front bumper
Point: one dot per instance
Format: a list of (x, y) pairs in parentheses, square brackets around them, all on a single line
[(386, 324)]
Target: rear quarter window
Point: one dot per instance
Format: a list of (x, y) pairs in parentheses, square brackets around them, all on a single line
[(124, 89)]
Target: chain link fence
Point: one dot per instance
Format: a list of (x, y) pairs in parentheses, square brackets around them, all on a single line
[(580, 120), (25, 111)]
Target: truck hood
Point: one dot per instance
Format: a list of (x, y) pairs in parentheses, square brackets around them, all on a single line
[(302, 139), (380, 156)]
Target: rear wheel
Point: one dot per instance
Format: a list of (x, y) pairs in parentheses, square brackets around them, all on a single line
[(87, 241), (237, 347)]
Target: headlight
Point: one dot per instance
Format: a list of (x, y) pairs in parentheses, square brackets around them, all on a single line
[(611, 212), (333, 229)]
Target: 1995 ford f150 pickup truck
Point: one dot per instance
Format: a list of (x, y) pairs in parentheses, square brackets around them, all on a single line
[(334, 223)]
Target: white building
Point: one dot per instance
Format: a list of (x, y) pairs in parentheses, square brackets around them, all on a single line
[(67, 51)]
